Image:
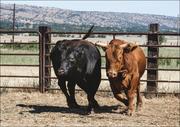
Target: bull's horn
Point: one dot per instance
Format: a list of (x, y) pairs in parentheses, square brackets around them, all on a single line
[(100, 44), (129, 46), (124, 45)]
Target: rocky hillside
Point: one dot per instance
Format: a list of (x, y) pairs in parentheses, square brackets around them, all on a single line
[(46, 15)]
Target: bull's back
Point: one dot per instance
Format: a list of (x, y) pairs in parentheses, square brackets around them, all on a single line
[(93, 58), (141, 59)]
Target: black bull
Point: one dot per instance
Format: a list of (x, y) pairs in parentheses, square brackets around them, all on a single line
[(77, 62)]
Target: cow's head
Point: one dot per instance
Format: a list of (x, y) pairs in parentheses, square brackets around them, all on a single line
[(115, 61)]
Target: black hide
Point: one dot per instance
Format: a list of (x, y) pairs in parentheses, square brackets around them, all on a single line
[(77, 62)]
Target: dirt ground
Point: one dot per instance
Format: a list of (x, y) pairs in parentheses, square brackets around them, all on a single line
[(50, 109)]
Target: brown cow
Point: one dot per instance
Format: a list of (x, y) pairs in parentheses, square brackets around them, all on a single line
[(125, 65)]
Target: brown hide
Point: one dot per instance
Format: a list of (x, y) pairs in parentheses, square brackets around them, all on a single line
[(125, 65)]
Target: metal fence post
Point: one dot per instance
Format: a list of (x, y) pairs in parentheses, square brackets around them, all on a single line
[(152, 61), (43, 59)]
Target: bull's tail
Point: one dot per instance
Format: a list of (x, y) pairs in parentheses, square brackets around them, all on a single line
[(88, 33)]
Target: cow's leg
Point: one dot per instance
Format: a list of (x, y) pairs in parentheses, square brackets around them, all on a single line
[(72, 101), (131, 93), (139, 99), (62, 85)]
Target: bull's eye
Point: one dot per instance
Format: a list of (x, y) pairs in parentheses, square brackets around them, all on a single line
[(71, 59)]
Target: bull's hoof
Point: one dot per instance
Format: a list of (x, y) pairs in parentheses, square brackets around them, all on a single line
[(90, 111), (125, 101), (96, 106), (139, 108), (130, 113), (73, 105), (117, 110)]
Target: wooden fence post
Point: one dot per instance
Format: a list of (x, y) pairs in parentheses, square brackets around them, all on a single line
[(44, 59), (152, 61), (47, 58)]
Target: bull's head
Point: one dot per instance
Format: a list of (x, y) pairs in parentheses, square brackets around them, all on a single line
[(72, 61), (115, 61)]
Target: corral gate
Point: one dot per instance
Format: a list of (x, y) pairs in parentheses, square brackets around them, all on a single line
[(45, 66)]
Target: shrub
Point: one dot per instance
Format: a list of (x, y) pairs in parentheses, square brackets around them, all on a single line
[(19, 46)]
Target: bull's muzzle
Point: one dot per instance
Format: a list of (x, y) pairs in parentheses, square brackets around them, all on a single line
[(61, 72), (112, 74)]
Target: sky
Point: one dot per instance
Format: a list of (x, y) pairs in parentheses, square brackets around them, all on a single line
[(169, 8)]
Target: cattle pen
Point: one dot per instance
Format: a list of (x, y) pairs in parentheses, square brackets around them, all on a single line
[(29, 94), (44, 43)]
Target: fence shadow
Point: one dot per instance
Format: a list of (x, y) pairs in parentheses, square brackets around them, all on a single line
[(81, 111)]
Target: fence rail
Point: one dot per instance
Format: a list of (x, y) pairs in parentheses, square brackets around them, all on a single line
[(20, 54), (44, 33), (121, 33), (15, 43), (19, 65)]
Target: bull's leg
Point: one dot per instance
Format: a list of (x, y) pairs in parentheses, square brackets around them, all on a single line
[(139, 99), (121, 97), (131, 93), (72, 101), (117, 92), (62, 85), (90, 87), (93, 104), (126, 80)]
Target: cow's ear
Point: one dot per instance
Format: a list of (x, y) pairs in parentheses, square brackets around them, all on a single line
[(130, 47)]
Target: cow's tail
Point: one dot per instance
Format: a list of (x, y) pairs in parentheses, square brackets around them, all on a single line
[(88, 33)]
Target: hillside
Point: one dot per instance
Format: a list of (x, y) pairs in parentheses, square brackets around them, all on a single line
[(32, 16)]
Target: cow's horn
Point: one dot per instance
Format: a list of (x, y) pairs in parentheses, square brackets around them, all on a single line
[(100, 44)]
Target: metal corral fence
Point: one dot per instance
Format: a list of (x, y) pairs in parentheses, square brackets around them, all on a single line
[(45, 66)]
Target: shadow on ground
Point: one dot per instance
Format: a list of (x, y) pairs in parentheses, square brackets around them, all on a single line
[(82, 110)]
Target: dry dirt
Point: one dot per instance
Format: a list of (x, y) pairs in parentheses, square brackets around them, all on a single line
[(50, 109)]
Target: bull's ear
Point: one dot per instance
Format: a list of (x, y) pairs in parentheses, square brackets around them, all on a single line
[(80, 51), (128, 47), (102, 45)]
